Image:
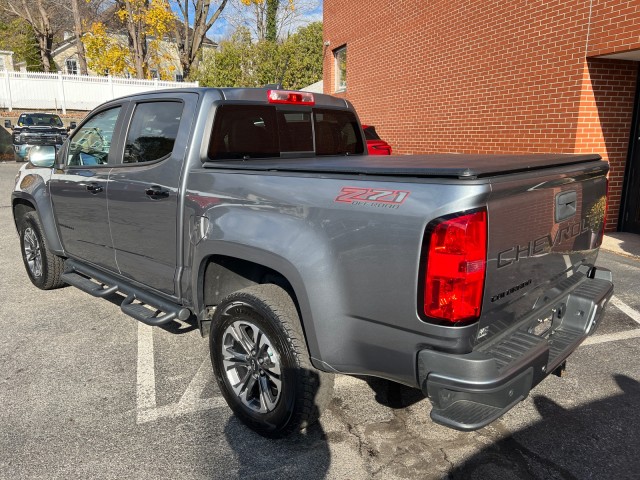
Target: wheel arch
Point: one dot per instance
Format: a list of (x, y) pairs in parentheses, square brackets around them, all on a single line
[(20, 207), (22, 202), (220, 275)]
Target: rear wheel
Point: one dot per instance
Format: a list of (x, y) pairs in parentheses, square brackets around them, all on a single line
[(43, 267), (261, 363)]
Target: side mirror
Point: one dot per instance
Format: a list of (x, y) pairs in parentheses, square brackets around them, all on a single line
[(7, 124), (43, 156), (72, 126)]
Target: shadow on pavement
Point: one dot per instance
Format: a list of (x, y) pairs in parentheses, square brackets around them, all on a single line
[(301, 455), (597, 440), (304, 455), (393, 395)]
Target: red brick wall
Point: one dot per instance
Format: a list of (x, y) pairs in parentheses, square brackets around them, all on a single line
[(489, 76), (615, 26), (604, 125)]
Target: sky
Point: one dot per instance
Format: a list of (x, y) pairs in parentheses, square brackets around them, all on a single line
[(311, 11)]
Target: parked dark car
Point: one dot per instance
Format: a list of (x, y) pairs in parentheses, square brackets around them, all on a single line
[(37, 128), (375, 145)]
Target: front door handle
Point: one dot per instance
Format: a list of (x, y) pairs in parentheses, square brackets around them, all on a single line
[(156, 192), (93, 188)]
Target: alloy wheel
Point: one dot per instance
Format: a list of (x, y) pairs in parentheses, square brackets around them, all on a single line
[(252, 366), (32, 252)]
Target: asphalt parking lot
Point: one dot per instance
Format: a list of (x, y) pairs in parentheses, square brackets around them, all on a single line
[(87, 392)]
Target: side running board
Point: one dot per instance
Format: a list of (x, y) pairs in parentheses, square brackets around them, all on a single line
[(144, 306)]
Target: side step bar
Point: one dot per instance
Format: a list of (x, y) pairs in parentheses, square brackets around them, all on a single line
[(99, 284)]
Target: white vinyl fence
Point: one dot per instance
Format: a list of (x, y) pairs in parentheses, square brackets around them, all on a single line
[(56, 91)]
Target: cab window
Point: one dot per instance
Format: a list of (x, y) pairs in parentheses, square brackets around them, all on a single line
[(152, 132), (90, 144), (255, 131)]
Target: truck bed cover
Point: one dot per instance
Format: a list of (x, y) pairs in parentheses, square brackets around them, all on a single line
[(462, 166)]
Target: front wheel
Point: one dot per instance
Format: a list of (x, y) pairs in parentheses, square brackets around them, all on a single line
[(42, 265), (261, 363)]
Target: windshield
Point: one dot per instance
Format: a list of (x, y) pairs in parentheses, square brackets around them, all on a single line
[(257, 131), (39, 120)]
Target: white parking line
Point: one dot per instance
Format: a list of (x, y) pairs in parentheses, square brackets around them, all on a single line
[(190, 401), (612, 337), (631, 313), (146, 389), (625, 334)]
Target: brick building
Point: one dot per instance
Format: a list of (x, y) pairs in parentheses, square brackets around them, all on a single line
[(474, 76)]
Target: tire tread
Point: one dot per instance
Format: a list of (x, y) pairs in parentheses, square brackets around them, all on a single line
[(52, 265), (316, 387)]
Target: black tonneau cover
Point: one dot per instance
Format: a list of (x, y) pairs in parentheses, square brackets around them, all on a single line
[(434, 165)]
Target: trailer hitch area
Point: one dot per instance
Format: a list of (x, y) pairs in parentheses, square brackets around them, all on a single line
[(561, 370)]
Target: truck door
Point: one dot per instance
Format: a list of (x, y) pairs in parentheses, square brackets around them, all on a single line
[(79, 188), (144, 191)]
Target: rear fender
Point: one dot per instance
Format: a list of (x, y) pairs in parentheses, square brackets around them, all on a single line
[(301, 259)]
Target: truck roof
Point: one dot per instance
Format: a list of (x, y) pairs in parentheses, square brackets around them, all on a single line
[(257, 95)]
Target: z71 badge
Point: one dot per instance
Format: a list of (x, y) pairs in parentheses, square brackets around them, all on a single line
[(375, 197)]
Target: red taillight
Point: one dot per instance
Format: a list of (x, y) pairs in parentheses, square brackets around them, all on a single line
[(455, 271), (294, 98)]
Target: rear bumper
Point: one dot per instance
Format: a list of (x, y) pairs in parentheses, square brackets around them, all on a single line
[(472, 390)]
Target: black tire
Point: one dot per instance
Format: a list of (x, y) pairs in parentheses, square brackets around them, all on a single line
[(266, 313), (43, 267)]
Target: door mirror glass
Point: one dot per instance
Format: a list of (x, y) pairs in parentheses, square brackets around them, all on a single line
[(72, 125), (7, 124), (43, 156)]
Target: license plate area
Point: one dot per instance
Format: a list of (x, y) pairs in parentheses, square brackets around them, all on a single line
[(541, 327)]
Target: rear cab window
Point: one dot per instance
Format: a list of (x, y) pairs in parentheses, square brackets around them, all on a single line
[(244, 132)]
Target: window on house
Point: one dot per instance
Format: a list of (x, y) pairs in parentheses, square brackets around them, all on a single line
[(154, 73), (179, 77), (72, 66), (340, 55)]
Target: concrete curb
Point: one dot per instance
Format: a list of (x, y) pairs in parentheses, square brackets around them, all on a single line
[(622, 243)]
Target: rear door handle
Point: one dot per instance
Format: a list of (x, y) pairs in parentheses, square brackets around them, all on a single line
[(156, 192), (93, 188)]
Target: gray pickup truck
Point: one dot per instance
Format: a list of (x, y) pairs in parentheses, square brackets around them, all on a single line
[(258, 215)]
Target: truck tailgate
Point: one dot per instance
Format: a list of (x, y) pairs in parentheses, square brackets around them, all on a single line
[(543, 235)]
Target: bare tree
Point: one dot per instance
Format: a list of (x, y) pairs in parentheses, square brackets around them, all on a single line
[(136, 34), (79, 31), (270, 19), (189, 38), (45, 17)]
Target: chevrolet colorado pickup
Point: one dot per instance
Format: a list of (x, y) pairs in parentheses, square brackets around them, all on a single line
[(258, 215)]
